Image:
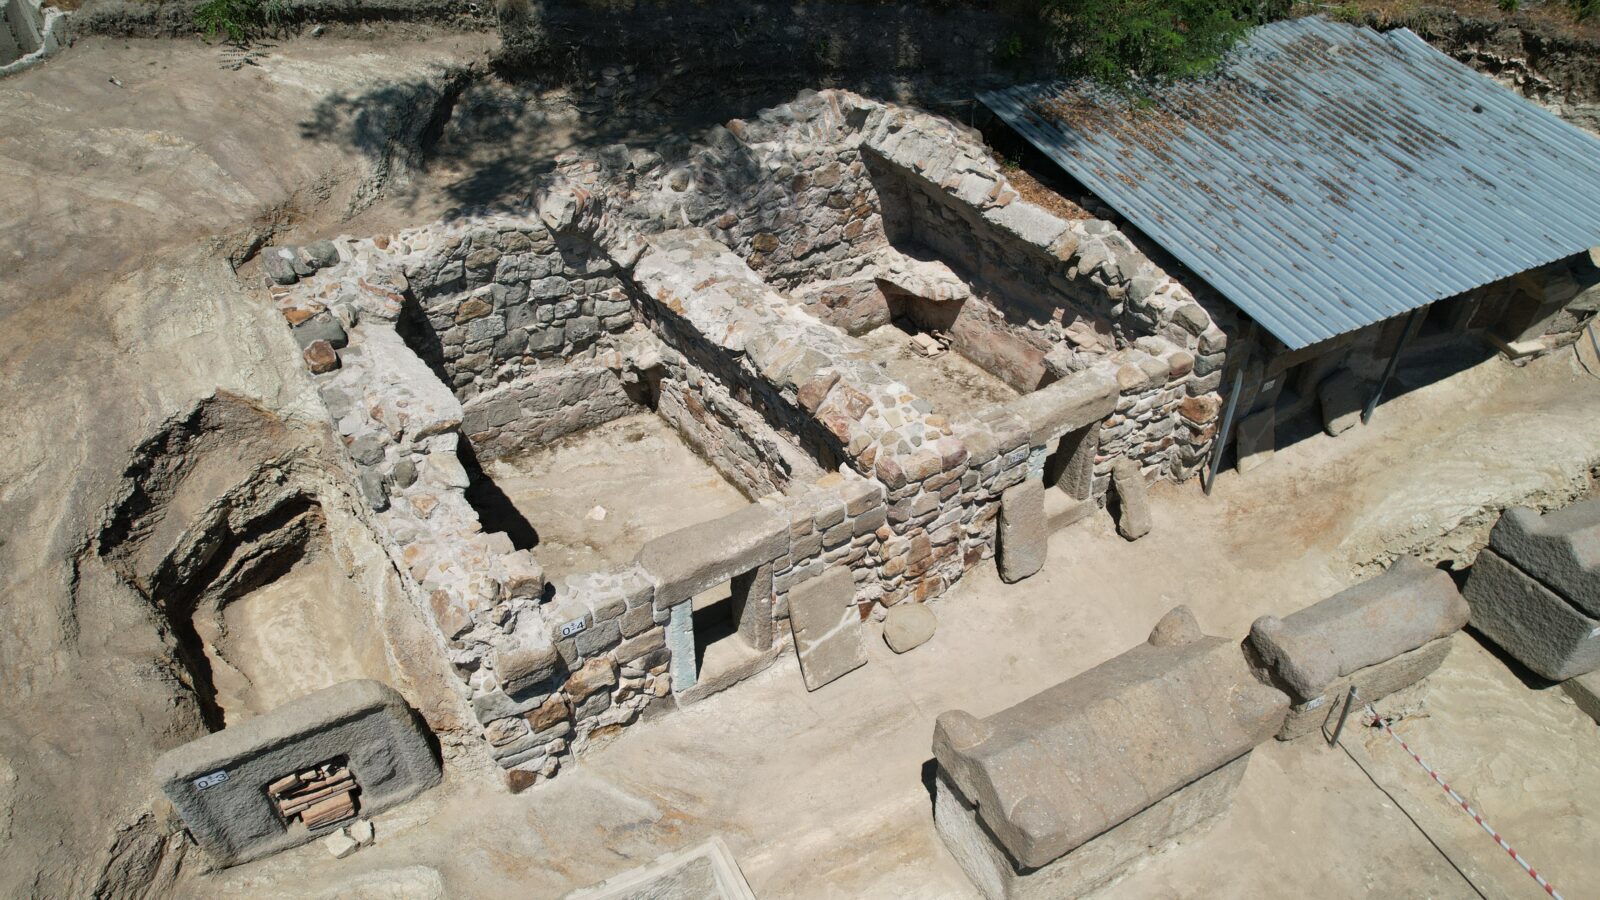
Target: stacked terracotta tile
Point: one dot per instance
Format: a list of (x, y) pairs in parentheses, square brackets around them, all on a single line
[(319, 796)]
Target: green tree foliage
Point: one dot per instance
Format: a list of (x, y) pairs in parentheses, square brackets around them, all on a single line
[(239, 20), (1120, 41)]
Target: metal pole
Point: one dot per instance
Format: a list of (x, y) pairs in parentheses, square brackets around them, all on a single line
[(1227, 424), (1349, 701), (1406, 335)]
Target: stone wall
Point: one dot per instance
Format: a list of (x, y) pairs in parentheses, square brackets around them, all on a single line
[(511, 329)]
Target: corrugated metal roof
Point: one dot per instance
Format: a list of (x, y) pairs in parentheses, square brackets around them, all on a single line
[(1326, 177)]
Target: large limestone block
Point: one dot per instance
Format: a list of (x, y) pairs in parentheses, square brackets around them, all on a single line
[(1529, 621), (1184, 813), (1086, 755), (827, 627), (699, 557), (1407, 606), (1560, 548), (1371, 683), (1023, 534), (218, 782)]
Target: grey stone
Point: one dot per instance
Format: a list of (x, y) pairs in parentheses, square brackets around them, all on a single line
[(1080, 758), (233, 820), (908, 626), (528, 664), (1529, 621), (320, 327), (1560, 548), (1133, 503), (1407, 606), (694, 559), (1023, 540), (372, 488), (1342, 397), (1256, 438), (827, 627), (1371, 683), (278, 262), (321, 254), (367, 450), (1187, 812)]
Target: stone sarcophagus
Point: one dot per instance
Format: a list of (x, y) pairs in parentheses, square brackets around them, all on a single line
[(299, 771), (1382, 635), (1057, 795)]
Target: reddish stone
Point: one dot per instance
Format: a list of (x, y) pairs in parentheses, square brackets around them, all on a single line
[(518, 781), (551, 712), (1200, 409), (321, 357), (813, 392)]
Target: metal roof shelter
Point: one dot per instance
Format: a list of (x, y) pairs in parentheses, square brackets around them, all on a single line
[(1326, 176)]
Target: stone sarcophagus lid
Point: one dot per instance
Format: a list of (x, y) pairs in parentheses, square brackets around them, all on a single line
[(299, 771), (1055, 796)]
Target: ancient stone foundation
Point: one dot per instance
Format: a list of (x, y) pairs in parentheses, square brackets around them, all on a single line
[(736, 294)]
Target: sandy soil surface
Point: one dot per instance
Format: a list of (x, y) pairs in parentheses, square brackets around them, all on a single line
[(826, 794), (595, 498), (950, 381)]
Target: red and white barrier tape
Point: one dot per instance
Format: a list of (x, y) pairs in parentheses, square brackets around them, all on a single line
[(1532, 872)]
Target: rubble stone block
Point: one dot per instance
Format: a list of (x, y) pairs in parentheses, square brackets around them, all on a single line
[(1529, 621), (1342, 397), (1023, 537), (1560, 548), (1184, 813), (908, 626), (827, 628), (1257, 439), (1090, 753), (1407, 606), (1133, 515), (1372, 683), (217, 782), (691, 560)]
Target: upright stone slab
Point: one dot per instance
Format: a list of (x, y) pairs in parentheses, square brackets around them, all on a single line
[(218, 782), (1047, 778), (1561, 549), (1023, 537), (1257, 439), (827, 627), (1342, 397), (1133, 516), (1531, 622)]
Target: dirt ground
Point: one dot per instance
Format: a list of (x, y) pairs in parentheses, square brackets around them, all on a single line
[(826, 794), (595, 498), (950, 381)]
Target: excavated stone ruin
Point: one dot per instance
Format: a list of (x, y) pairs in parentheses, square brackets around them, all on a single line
[(843, 341)]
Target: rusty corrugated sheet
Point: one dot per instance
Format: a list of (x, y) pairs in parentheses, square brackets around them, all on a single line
[(1327, 176)]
